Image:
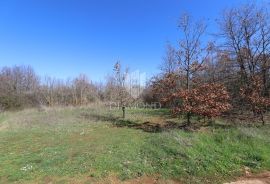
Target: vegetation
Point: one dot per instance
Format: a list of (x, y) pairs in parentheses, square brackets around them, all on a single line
[(66, 132), (238, 64), (91, 145), (198, 76)]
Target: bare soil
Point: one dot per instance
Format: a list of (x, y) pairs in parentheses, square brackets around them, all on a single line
[(263, 178), (141, 180)]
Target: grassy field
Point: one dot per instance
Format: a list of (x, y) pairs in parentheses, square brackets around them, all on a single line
[(93, 145)]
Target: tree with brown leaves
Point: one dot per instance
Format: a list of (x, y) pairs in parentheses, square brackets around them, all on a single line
[(164, 87), (191, 54), (208, 100), (253, 94)]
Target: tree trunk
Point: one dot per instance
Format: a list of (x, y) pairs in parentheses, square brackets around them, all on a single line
[(188, 86), (188, 118), (124, 112)]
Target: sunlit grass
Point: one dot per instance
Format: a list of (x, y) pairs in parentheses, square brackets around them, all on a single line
[(70, 142)]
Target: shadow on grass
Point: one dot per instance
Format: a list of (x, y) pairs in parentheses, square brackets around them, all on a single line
[(153, 127), (151, 112), (216, 125), (169, 125)]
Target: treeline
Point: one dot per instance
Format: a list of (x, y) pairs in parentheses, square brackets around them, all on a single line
[(21, 87), (226, 73), (228, 76)]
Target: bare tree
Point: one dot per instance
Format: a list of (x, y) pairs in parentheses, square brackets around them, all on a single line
[(120, 78), (191, 53), (246, 31), (169, 64), (19, 85), (246, 34), (83, 90)]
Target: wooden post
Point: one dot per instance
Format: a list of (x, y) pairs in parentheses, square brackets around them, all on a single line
[(124, 112)]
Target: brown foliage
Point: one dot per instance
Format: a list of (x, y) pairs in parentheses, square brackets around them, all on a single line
[(164, 87), (253, 94), (208, 100)]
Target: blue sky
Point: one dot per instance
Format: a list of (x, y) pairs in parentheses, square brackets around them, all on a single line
[(63, 38)]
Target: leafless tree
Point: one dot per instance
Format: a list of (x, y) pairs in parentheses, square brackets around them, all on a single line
[(19, 85), (83, 90), (191, 53), (169, 64), (120, 78), (245, 31)]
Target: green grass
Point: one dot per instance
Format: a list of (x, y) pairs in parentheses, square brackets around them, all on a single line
[(74, 143)]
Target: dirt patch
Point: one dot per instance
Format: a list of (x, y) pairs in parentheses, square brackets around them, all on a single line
[(263, 178), (109, 180), (142, 180), (149, 180)]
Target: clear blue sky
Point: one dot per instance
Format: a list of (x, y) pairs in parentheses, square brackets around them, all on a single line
[(63, 38)]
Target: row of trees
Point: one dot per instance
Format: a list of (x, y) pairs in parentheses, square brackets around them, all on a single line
[(21, 87), (230, 76), (210, 78)]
